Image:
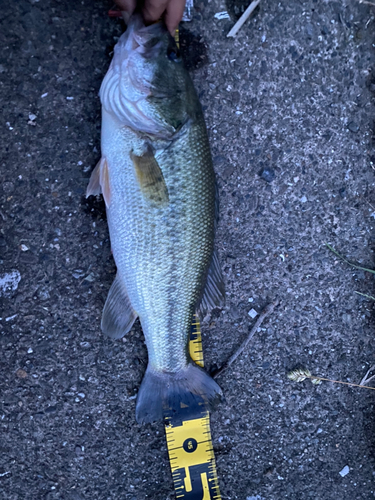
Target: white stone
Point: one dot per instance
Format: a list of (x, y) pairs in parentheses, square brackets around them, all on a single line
[(344, 471), (222, 15), (9, 282)]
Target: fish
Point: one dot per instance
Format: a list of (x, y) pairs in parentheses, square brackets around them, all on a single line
[(158, 183)]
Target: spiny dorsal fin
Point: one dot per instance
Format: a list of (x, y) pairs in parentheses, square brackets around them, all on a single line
[(118, 314), (214, 291), (150, 178), (99, 181)]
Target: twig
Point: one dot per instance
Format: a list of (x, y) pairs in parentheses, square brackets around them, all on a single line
[(365, 295), (340, 382), (350, 263), (366, 380), (367, 3), (236, 28), (266, 312)]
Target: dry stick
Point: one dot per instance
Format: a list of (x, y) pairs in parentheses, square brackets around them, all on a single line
[(236, 28), (367, 3), (340, 382), (266, 312), (365, 380)]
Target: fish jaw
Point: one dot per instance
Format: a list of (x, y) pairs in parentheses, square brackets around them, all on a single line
[(141, 79), (128, 82)]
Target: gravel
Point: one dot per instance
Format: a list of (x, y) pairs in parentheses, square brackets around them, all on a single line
[(292, 94)]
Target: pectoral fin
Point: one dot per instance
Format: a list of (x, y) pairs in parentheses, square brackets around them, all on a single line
[(99, 182), (118, 314), (150, 179)]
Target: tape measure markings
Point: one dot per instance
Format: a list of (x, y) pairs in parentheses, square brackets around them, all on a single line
[(189, 442)]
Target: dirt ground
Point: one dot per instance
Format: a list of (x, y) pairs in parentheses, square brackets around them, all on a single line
[(289, 106)]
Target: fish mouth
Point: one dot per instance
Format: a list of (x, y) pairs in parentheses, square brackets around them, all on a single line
[(144, 40), (149, 39), (130, 81)]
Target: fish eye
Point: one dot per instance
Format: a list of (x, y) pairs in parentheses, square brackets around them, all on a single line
[(174, 54)]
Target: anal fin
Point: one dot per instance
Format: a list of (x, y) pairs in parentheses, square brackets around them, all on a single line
[(214, 291), (118, 314)]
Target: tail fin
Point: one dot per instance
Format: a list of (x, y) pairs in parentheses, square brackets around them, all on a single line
[(183, 395)]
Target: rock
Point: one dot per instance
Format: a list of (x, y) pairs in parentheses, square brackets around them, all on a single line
[(344, 471), (252, 313), (9, 282), (353, 127), (21, 373), (267, 174), (235, 313)]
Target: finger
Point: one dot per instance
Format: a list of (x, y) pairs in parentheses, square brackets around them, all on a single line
[(173, 14), (153, 10), (126, 5)]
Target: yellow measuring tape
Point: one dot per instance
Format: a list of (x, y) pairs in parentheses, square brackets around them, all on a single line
[(191, 454)]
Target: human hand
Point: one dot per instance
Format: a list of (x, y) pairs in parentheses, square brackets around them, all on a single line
[(153, 10)]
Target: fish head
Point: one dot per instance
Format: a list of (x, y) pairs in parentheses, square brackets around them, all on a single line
[(147, 86)]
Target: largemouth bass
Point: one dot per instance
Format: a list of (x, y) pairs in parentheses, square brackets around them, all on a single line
[(158, 183)]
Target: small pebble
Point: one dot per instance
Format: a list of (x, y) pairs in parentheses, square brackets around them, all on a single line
[(252, 313), (24, 248), (21, 373), (303, 199), (267, 174), (344, 471), (353, 127), (222, 15)]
